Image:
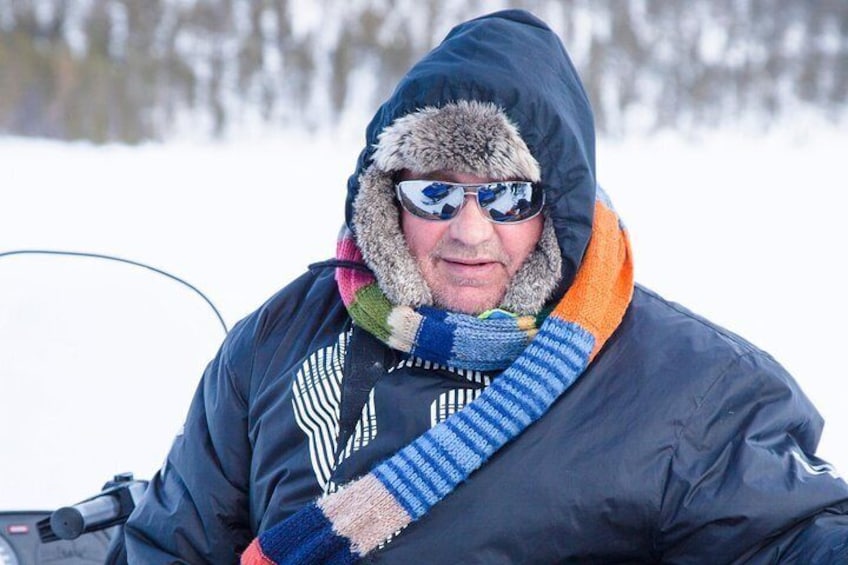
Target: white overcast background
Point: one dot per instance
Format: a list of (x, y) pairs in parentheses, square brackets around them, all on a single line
[(99, 360)]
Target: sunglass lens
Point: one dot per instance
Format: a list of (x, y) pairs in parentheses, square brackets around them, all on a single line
[(431, 200), (510, 201)]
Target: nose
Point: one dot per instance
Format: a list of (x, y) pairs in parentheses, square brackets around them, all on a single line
[(470, 226)]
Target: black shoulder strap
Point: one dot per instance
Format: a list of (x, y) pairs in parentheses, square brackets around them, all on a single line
[(363, 366)]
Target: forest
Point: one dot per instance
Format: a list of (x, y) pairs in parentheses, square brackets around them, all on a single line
[(130, 71)]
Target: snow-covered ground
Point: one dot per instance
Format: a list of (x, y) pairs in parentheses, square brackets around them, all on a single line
[(98, 360)]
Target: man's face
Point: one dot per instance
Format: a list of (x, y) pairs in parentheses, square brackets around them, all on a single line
[(468, 261)]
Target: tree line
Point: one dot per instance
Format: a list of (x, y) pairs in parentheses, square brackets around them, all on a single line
[(136, 70)]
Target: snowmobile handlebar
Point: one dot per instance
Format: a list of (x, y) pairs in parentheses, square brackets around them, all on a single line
[(109, 508)]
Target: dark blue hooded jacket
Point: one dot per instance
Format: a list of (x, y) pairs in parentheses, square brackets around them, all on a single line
[(682, 443)]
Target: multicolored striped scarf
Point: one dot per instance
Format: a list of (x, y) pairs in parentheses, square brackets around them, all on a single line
[(540, 363), (452, 339)]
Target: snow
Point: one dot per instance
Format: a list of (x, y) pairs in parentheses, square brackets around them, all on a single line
[(99, 359)]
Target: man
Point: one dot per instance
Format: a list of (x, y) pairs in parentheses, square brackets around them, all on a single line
[(475, 378)]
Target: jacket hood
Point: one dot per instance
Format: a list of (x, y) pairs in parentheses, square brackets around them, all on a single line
[(512, 60)]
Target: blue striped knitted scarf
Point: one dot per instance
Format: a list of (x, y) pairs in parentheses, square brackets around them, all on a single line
[(345, 526)]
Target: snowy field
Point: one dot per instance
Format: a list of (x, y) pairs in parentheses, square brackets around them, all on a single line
[(99, 360)]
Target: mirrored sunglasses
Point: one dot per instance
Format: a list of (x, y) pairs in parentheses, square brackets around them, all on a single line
[(505, 202)]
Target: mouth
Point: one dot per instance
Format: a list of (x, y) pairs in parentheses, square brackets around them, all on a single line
[(470, 269), (469, 262)]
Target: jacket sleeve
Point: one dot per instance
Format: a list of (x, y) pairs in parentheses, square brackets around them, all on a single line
[(743, 482), (196, 507)]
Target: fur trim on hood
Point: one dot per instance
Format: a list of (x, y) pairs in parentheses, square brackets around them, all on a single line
[(467, 137)]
